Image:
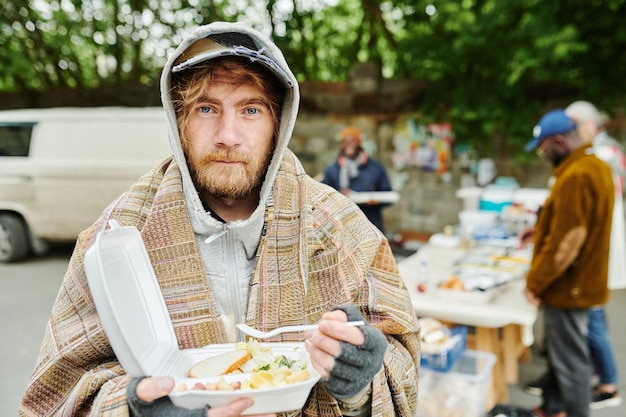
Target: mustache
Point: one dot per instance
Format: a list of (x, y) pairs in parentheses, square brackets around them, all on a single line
[(228, 155)]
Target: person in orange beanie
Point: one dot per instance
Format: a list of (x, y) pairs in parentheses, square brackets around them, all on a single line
[(355, 170)]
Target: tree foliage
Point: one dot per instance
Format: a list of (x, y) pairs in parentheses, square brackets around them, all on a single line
[(492, 66)]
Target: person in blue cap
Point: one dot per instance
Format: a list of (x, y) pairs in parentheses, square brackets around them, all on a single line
[(569, 267), (590, 124)]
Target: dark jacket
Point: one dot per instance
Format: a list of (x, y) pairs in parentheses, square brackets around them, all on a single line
[(570, 259), (372, 177)]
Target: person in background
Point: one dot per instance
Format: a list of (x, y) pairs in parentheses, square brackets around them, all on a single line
[(355, 170), (569, 266), (237, 232), (591, 128), (590, 124)]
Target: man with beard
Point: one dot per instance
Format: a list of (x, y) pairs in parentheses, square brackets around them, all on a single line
[(568, 271), (590, 123), (355, 170), (237, 232)]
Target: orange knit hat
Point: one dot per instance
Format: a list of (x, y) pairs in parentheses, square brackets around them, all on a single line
[(353, 132)]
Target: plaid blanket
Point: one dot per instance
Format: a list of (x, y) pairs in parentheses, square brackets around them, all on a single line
[(319, 251)]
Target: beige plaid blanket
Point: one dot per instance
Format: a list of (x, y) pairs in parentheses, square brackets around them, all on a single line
[(319, 251)]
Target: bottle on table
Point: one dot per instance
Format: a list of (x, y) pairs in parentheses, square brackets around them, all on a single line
[(423, 276)]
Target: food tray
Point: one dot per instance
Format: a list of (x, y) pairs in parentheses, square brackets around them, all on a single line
[(464, 296), (266, 400), (361, 197), (136, 320)]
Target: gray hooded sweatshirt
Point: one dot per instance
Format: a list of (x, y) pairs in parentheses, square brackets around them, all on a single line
[(228, 249)]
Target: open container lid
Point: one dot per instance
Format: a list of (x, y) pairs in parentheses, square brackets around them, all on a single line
[(128, 299)]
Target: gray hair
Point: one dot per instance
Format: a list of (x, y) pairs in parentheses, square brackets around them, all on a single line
[(583, 111)]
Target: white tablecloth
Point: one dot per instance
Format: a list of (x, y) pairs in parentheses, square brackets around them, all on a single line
[(508, 305)]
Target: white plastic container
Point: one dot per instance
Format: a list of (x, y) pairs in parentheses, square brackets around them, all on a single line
[(472, 219), (495, 198), (460, 392), (136, 321), (531, 198), (377, 196), (470, 197)]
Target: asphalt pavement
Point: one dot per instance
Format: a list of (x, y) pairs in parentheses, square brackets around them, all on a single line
[(29, 289), (616, 312), (28, 292)]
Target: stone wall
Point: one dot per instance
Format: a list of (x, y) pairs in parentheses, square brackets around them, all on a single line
[(428, 201)]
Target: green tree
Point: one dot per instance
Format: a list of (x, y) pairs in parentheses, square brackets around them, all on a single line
[(495, 66), (491, 66)]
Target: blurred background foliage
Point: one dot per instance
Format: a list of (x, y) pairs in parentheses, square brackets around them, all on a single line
[(491, 66)]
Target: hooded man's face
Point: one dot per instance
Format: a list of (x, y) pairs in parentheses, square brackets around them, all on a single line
[(229, 140)]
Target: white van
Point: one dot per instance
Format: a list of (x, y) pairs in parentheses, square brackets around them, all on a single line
[(61, 167)]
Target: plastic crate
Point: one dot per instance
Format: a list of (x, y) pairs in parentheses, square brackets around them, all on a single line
[(444, 358), (460, 392)]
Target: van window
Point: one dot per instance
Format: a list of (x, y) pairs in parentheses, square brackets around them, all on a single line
[(15, 138)]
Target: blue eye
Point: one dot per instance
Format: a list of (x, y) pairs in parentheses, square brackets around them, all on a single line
[(252, 111), (205, 109)]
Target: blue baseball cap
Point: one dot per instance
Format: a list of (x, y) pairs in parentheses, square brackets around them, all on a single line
[(554, 122)]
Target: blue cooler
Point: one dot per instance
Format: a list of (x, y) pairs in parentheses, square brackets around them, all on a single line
[(497, 196)]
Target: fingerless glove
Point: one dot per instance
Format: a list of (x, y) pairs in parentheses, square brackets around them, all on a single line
[(161, 407), (356, 366)]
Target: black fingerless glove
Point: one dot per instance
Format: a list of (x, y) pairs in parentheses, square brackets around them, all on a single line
[(356, 366), (161, 407)]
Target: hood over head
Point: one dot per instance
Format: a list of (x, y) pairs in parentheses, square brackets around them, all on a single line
[(216, 40)]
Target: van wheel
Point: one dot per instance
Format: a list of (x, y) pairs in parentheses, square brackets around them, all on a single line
[(13, 239)]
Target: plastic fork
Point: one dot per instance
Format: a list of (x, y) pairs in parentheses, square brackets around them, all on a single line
[(258, 334)]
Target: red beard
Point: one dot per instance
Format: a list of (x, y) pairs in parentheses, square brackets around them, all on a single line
[(236, 181)]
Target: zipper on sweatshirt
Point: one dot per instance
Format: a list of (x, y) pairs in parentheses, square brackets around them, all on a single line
[(234, 272), (217, 234), (230, 261)]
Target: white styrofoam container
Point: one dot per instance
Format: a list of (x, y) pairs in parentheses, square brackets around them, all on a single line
[(134, 316), (266, 400)]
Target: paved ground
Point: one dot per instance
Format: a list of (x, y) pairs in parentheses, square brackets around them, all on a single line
[(616, 310), (29, 289), (28, 292)]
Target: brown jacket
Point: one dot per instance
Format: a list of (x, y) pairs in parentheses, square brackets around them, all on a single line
[(570, 258)]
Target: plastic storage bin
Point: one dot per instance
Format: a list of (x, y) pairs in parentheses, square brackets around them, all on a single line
[(443, 359), (460, 392), (471, 219), (495, 198)]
